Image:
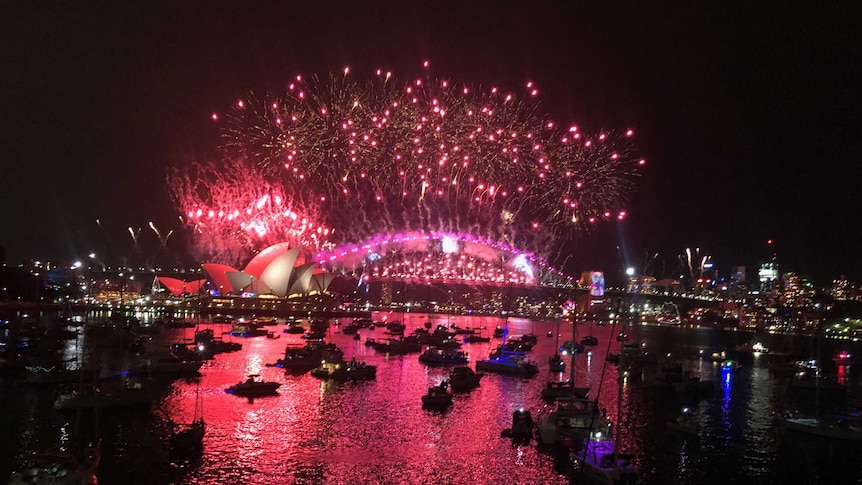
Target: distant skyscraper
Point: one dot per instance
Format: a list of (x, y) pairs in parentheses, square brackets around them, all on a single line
[(791, 293), (737, 275), (768, 275)]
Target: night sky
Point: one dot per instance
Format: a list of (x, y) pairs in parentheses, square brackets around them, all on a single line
[(750, 117)]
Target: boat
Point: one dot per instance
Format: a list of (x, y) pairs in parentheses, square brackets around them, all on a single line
[(399, 346), (759, 348), (599, 458), (521, 431), (842, 358), (463, 378), (342, 371), (601, 462), (730, 365), (840, 428), (557, 389), (570, 347), (187, 439), (395, 328), (254, 387), (92, 397), (445, 356), (556, 363), (438, 397), (167, 363), (207, 344), (509, 362), (294, 329), (684, 423), (299, 359), (245, 330), (569, 420), (590, 341)]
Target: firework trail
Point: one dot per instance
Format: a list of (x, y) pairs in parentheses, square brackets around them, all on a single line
[(372, 156)]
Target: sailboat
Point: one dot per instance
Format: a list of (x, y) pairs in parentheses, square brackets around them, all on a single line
[(561, 389), (601, 461), (571, 417), (187, 439), (555, 362)]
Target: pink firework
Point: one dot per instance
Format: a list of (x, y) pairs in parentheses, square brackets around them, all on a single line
[(431, 154), (234, 211)]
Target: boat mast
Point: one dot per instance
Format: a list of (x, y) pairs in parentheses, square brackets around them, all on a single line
[(619, 386), (574, 354)]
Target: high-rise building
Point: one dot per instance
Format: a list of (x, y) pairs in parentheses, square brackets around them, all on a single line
[(737, 275), (842, 289), (792, 291), (768, 276)]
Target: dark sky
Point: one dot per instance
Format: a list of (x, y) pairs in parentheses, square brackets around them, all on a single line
[(750, 116)]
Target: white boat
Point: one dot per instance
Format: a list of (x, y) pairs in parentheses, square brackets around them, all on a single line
[(827, 428)]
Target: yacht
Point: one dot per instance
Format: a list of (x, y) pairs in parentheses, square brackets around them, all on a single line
[(510, 363)]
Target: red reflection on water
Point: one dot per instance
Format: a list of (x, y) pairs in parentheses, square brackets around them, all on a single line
[(321, 432)]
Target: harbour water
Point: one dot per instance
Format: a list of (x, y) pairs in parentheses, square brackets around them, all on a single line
[(322, 432)]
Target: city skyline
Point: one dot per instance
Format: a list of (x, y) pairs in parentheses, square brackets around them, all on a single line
[(748, 120)]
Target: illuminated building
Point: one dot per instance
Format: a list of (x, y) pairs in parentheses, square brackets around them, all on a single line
[(768, 276), (842, 289), (278, 271)]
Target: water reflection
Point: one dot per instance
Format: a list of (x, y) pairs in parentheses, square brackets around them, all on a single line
[(317, 431)]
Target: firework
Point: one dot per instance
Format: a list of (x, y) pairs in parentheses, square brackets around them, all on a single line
[(234, 211), (429, 155)]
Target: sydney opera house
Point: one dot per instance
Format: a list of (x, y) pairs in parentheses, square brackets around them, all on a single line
[(278, 278)]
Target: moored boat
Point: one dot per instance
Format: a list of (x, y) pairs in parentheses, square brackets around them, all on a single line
[(510, 363), (600, 462), (556, 363), (343, 371), (187, 439), (569, 420), (254, 387), (444, 356), (93, 397), (437, 397), (462, 378), (561, 389), (840, 429)]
